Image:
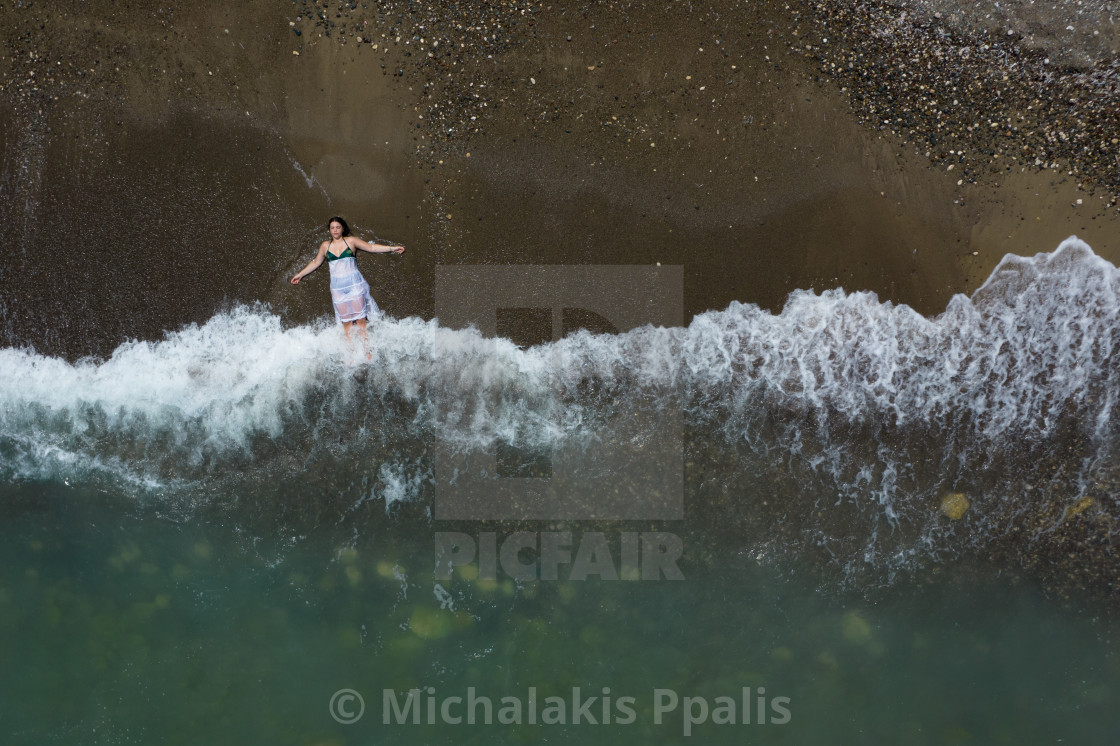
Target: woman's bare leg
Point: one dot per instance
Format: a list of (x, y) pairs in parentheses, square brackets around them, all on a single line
[(363, 335)]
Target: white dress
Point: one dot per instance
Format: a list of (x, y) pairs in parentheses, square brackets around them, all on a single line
[(349, 290)]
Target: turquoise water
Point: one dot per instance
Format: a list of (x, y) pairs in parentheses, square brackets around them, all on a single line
[(124, 624)]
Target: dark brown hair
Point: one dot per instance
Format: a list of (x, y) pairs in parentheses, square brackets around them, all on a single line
[(340, 221)]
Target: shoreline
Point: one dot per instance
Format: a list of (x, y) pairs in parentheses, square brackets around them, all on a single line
[(531, 134)]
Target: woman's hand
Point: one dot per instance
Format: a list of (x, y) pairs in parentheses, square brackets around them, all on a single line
[(313, 264), (398, 250)]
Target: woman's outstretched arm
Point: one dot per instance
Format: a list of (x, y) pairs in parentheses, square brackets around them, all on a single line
[(377, 248), (311, 265)]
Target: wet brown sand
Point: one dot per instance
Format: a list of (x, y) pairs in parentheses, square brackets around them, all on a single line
[(161, 162)]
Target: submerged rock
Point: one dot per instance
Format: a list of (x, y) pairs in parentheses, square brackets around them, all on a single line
[(856, 629), (954, 505), (430, 623), (1078, 507)]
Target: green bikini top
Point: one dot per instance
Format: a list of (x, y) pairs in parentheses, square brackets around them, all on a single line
[(346, 253)]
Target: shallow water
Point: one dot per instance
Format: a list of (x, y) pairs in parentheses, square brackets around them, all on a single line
[(122, 625)]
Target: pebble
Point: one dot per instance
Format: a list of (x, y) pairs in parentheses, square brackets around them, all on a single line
[(957, 88)]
